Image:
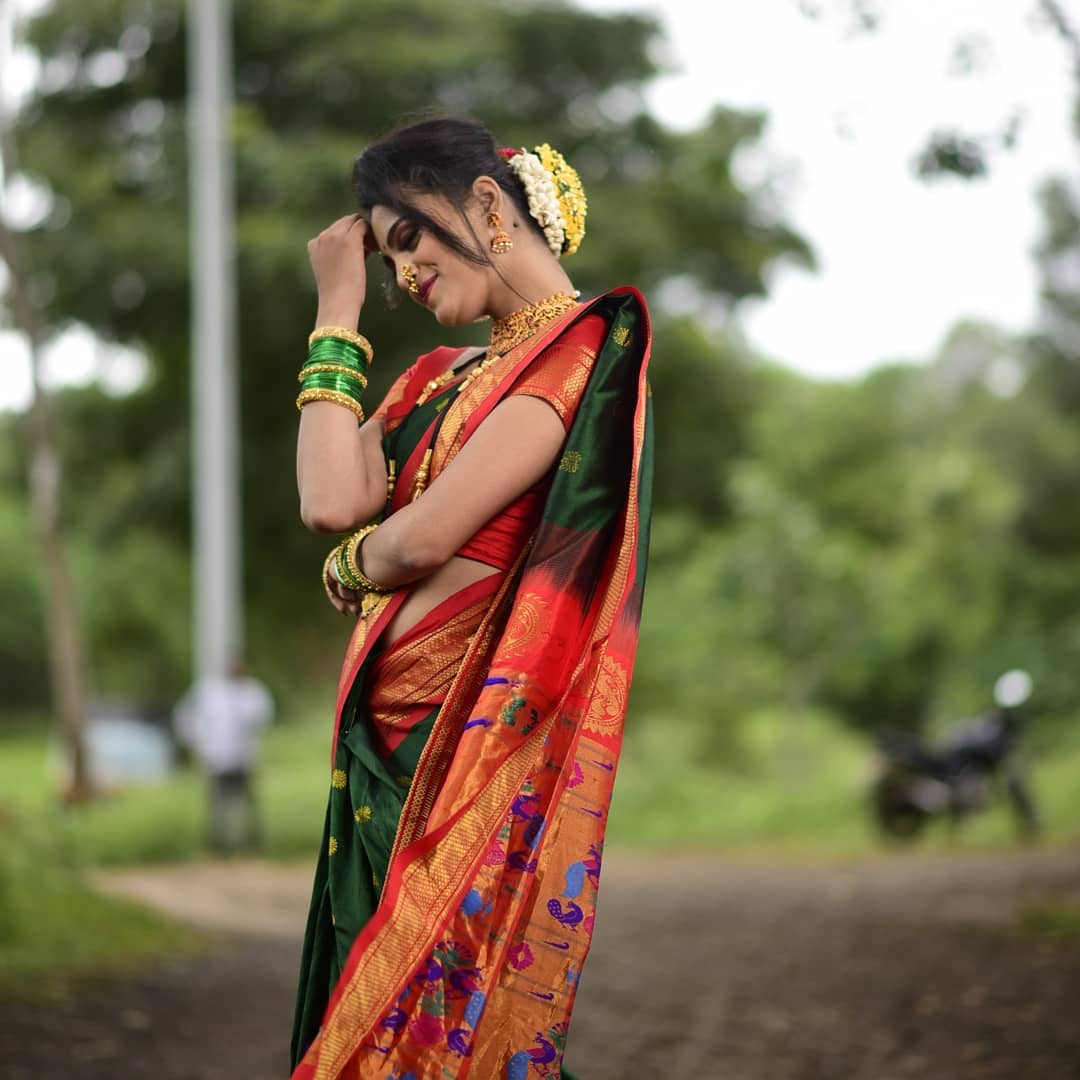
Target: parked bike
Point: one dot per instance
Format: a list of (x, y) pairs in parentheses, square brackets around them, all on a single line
[(917, 782)]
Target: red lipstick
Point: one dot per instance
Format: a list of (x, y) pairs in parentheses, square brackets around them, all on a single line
[(425, 288)]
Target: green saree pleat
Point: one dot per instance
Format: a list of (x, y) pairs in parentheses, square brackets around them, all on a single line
[(367, 793)]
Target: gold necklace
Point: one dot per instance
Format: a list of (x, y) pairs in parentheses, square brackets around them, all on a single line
[(520, 325), (506, 334)]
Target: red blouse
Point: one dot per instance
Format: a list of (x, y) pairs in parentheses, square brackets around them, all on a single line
[(558, 376)]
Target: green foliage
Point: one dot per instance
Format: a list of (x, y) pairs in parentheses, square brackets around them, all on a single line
[(53, 927), (1058, 922)]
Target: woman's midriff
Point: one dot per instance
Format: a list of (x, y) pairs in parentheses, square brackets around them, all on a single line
[(457, 574)]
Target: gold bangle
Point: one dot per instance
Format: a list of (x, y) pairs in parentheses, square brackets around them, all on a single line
[(350, 550), (332, 369), (345, 334), (326, 579), (335, 397)]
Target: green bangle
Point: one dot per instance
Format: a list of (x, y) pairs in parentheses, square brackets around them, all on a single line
[(341, 563), (329, 380), (344, 334), (339, 352)]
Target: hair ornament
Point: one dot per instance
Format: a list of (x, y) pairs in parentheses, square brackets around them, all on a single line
[(556, 197)]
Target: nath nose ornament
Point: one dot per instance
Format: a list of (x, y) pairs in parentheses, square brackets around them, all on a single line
[(409, 274)]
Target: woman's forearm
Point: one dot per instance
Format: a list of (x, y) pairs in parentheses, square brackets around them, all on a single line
[(340, 468), (401, 550)]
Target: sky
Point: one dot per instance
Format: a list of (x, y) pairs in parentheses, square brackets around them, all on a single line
[(899, 260)]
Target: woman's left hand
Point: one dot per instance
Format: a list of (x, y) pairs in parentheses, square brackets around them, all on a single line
[(344, 599)]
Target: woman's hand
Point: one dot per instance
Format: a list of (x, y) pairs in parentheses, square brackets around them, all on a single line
[(337, 257), (346, 600)]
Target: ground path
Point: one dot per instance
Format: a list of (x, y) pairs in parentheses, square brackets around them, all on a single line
[(703, 967)]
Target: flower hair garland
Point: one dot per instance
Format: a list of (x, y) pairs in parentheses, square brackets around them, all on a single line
[(556, 197)]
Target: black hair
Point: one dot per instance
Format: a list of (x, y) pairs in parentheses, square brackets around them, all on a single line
[(438, 155)]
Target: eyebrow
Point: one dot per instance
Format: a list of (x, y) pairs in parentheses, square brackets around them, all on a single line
[(392, 232)]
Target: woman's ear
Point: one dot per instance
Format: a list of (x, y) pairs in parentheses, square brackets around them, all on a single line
[(488, 194)]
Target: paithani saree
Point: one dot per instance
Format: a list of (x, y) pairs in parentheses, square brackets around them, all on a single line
[(473, 759)]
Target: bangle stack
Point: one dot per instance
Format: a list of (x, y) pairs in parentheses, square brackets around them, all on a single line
[(336, 368), (346, 561)]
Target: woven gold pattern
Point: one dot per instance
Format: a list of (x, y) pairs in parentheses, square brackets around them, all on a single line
[(558, 376), (332, 369)]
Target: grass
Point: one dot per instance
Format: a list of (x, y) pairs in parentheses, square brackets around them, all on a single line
[(55, 930), (1057, 921), (796, 790)]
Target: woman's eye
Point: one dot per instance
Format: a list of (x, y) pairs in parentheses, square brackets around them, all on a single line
[(408, 238)]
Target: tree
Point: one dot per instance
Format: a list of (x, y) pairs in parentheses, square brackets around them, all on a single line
[(66, 650)]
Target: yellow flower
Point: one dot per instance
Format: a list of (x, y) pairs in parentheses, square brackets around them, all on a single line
[(404, 781), (338, 778), (363, 815), (333, 844), (571, 194)]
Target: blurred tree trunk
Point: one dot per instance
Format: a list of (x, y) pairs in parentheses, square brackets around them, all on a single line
[(66, 650)]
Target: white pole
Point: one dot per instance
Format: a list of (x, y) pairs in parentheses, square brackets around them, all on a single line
[(215, 416)]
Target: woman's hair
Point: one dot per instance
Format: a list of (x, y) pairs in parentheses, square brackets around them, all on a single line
[(436, 156)]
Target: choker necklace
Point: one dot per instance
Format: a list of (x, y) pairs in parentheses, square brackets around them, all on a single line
[(520, 325)]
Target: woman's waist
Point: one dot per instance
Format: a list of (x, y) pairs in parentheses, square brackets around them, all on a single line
[(431, 632)]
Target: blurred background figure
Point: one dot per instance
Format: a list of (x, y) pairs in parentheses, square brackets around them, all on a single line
[(220, 720)]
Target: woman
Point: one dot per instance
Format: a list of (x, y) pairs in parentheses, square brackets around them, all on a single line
[(498, 587)]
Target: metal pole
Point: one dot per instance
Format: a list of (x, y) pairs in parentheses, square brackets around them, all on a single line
[(215, 415)]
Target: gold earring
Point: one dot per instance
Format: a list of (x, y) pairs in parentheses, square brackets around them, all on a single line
[(500, 242), (409, 274)]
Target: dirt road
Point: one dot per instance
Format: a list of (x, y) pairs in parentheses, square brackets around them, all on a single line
[(703, 967)]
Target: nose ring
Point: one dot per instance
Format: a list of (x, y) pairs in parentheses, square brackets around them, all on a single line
[(409, 274)]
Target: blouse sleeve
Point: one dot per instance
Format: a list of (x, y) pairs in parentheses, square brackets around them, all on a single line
[(395, 394), (559, 374)]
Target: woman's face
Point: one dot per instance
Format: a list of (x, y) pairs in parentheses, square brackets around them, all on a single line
[(453, 288)]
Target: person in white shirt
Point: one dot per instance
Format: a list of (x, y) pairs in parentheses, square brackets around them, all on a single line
[(221, 719)]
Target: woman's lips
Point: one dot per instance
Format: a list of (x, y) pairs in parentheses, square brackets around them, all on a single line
[(425, 288)]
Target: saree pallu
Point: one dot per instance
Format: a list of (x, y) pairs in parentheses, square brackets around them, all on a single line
[(474, 759)]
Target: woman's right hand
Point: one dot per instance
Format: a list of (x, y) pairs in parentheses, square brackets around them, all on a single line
[(337, 257)]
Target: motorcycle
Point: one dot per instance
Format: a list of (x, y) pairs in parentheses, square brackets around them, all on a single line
[(917, 782)]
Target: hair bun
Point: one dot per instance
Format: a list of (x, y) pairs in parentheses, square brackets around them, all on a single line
[(555, 194)]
